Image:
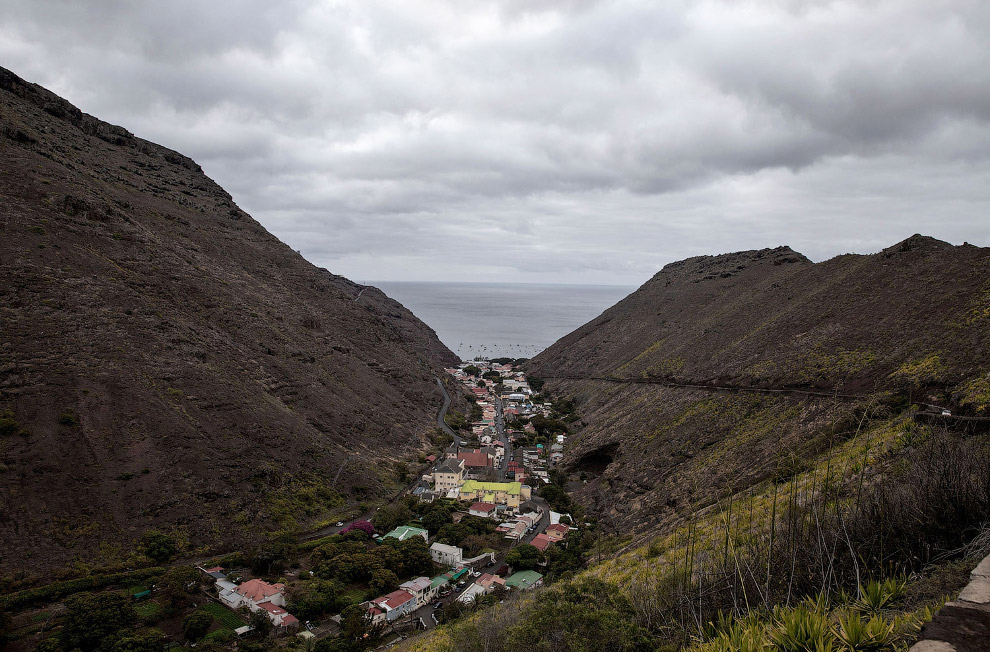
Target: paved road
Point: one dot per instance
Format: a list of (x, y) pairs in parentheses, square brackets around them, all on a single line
[(442, 414), (500, 431)]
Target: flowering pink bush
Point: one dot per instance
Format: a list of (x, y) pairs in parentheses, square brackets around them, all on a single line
[(364, 526)]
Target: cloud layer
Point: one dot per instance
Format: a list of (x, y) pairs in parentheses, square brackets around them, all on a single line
[(552, 141)]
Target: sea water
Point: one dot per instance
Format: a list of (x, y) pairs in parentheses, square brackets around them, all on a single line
[(516, 320)]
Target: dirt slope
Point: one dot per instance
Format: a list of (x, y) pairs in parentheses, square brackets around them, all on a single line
[(167, 361), (910, 323)]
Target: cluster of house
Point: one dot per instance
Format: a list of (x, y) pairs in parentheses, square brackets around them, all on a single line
[(534, 462), (421, 591), (455, 476), (256, 595)]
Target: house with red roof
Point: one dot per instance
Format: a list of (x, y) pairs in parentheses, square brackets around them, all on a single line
[(488, 582), (258, 595), (257, 591), (279, 616), (484, 510), (557, 532), (394, 605), (541, 541), (475, 459)]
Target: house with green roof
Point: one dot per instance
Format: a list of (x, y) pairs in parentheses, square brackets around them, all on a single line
[(510, 494), (527, 579), (404, 532)]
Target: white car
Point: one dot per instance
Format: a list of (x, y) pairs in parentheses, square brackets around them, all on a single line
[(340, 524)]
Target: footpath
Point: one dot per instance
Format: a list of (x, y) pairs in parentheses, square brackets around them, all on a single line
[(962, 625)]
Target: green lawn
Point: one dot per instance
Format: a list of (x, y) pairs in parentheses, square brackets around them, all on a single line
[(354, 595), (223, 615), (147, 609)]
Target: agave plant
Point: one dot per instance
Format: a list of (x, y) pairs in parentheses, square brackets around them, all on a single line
[(875, 596), (744, 635), (802, 629), (857, 634)]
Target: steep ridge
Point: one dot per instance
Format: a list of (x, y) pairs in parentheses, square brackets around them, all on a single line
[(167, 362), (908, 324)]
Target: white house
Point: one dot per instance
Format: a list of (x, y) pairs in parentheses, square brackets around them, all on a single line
[(258, 595), (446, 555), (484, 510), (470, 593), (420, 589), (393, 605)]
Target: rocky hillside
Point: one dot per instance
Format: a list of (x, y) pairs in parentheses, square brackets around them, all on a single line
[(166, 362), (680, 383)]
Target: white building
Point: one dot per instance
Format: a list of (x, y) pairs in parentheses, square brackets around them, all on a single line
[(446, 555)]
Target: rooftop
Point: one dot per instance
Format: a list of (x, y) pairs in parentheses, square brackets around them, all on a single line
[(404, 532), (259, 590), (523, 579), (416, 585), (394, 599), (513, 488)]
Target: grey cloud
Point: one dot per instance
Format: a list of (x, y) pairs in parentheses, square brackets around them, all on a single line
[(564, 139)]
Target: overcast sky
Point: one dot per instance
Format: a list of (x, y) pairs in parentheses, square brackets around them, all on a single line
[(543, 140)]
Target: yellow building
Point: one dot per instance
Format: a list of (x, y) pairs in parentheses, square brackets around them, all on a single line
[(510, 494), (448, 476)]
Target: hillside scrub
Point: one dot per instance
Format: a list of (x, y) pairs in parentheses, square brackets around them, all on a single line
[(842, 546)]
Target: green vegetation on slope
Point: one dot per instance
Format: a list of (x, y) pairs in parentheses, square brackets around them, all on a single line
[(809, 561)]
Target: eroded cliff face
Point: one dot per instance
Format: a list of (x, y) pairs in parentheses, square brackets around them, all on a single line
[(856, 333), (167, 362)]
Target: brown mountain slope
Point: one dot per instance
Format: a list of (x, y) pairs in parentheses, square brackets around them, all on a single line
[(912, 321), (167, 361)]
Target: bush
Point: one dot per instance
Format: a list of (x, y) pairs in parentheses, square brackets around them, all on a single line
[(91, 619), (159, 546), (68, 419), (58, 590), (195, 625), (8, 424)]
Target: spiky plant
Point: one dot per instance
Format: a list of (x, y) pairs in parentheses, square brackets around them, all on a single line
[(858, 634), (875, 596)]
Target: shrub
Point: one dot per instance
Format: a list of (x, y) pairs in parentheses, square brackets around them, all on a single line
[(8, 424), (159, 546), (68, 419), (195, 625)]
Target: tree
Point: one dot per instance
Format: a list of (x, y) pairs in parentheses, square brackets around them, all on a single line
[(177, 583), (472, 370), (391, 516), (383, 581), (320, 597), (524, 557), (159, 546), (272, 557), (493, 376), (557, 497), (415, 558), (195, 625), (92, 619), (355, 622), (337, 644), (150, 641), (259, 620), (435, 519)]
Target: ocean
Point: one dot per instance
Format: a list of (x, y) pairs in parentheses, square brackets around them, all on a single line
[(493, 320)]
